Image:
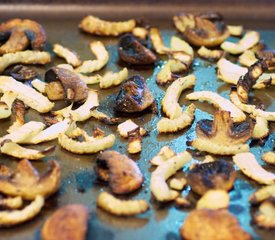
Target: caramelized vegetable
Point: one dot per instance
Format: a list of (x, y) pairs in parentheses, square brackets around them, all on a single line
[(123, 174), (221, 136), (208, 224), (27, 183), (133, 52), (212, 175), (202, 30), (68, 222)]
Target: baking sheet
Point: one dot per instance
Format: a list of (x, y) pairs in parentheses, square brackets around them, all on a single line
[(79, 184)]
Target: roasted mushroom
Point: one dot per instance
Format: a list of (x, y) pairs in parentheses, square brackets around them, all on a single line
[(134, 96), (26, 182), (21, 72), (208, 224), (121, 172), (221, 136), (68, 222), (65, 84), (202, 30), (269, 57), (19, 33), (212, 175), (246, 82), (133, 52)]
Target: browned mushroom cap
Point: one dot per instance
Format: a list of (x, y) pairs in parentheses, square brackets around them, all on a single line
[(269, 57), (21, 72), (133, 52), (68, 222), (66, 84), (134, 96), (222, 129), (26, 182), (208, 224), (246, 82), (17, 41), (206, 30), (20, 32), (121, 172), (213, 175)]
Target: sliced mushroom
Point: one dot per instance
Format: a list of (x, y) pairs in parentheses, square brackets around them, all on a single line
[(20, 29), (212, 175), (123, 174), (231, 73), (134, 96), (221, 136), (119, 207), (68, 222), (134, 141), (63, 83), (97, 26), (209, 224), (246, 82), (27, 183), (133, 52), (268, 56), (250, 167), (19, 110), (200, 30), (21, 72)]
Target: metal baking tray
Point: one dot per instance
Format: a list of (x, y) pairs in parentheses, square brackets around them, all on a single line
[(79, 184)]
